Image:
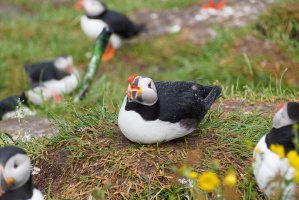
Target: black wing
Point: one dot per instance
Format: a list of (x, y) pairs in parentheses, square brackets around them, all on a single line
[(185, 100), (120, 24)]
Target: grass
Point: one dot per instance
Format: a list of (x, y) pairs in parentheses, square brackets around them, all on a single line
[(90, 152)]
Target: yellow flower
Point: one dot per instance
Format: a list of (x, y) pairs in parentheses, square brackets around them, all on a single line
[(297, 177), (230, 179), (278, 149), (183, 168), (208, 181), (293, 159), (193, 175), (257, 150)]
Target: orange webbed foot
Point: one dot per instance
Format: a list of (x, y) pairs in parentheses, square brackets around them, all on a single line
[(109, 52)]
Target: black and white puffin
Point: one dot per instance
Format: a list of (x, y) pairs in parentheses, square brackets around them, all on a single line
[(37, 94), (50, 70), (15, 176), (97, 17), (267, 165), (165, 110), (59, 75)]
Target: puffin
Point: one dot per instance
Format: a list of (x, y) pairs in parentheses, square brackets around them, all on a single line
[(37, 94), (212, 4), (97, 16), (15, 176), (59, 75), (267, 165), (154, 112), (56, 69), (64, 86)]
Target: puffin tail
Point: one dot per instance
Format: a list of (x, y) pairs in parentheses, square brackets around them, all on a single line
[(214, 94)]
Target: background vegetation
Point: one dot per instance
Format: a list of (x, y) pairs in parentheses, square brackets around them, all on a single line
[(43, 30)]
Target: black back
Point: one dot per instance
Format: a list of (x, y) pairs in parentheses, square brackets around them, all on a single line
[(44, 71), (119, 24), (178, 100), (282, 136)]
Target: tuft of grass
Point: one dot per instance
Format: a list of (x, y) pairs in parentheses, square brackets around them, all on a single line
[(281, 22)]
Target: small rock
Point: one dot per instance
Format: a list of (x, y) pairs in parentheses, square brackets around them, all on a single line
[(28, 127)]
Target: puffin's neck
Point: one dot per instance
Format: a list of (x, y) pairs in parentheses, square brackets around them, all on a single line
[(282, 136), (100, 16), (148, 113), (24, 192)]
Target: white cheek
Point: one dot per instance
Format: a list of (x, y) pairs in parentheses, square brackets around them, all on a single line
[(149, 96), (20, 174), (282, 119)]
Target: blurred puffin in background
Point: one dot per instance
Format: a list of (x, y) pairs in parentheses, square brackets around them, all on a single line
[(97, 16), (49, 70), (212, 4), (59, 75), (37, 94)]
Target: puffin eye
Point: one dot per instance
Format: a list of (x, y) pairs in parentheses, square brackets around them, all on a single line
[(15, 166), (149, 85)]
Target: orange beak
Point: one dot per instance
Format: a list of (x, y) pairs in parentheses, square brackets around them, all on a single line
[(78, 5), (4, 182), (69, 69), (280, 107), (134, 88)]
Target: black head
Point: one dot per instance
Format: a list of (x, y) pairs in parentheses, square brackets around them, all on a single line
[(286, 114)]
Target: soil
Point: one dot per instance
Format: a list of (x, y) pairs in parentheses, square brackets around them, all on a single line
[(128, 169), (24, 129), (133, 169), (196, 24)]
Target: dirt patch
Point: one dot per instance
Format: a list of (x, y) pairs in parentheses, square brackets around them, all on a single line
[(99, 160), (28, 127), (8, 10), (246, 106), (196, 24)]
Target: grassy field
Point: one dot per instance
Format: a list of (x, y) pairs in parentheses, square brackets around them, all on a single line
[(90, 151)]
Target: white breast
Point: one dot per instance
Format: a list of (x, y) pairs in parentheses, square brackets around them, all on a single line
[(93, 27), (138, 130), (65, 85), (266, 164), (37, 195)]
